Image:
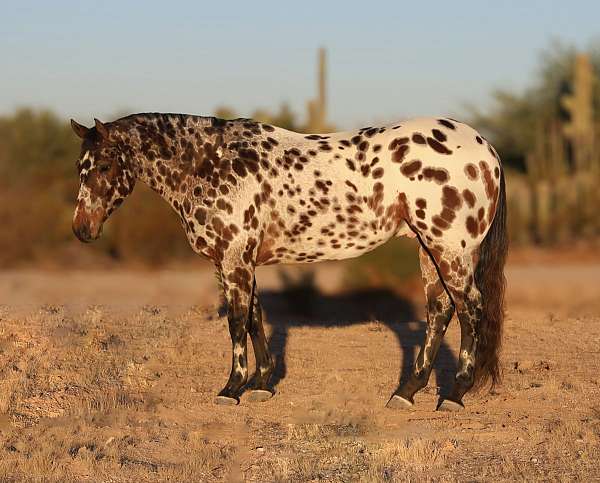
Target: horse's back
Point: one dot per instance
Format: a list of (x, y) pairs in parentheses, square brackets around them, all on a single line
[(342, 194)]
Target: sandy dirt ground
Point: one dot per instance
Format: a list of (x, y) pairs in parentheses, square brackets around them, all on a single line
[(111, 375)]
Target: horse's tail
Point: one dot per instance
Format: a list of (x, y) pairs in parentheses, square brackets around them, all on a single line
[(491, 282)]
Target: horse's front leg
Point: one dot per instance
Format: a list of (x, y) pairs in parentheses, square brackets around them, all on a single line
[(237, 279), (260, 389)]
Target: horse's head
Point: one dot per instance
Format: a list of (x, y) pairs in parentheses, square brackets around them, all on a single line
[(106, 178)]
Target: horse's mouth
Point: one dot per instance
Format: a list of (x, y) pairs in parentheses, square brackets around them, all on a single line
[(85, 233), (87, 224)]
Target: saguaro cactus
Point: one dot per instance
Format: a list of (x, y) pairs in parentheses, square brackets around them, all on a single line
[(579, 129), (317, 108), (558, 177), (547, 160)]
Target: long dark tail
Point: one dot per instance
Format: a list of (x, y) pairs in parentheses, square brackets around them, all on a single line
[(491, 282)]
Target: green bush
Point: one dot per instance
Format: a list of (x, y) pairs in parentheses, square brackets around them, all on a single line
[(389, 265)]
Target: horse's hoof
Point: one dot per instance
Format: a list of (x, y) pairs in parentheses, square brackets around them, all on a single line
[(398, 402), (259, 395), (226, 401), (448, 405)]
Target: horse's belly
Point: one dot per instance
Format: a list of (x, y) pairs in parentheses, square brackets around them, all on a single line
[(329, 239)]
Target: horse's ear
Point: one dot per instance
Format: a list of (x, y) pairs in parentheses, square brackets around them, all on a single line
[(101, 129), (80, 130)]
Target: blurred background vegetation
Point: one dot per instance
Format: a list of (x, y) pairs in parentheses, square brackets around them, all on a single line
[(547, 135)]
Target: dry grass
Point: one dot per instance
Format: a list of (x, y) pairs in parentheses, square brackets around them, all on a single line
[(408, 459), (320, 453), (123, 392)]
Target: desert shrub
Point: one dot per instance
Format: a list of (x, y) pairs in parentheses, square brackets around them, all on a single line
[(145, 229), (33, 224), (38, 189), (391, 264)]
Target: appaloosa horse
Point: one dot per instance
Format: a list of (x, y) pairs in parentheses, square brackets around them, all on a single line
[(251, 194)]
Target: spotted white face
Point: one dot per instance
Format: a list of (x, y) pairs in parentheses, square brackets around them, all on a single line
[(105, 181)]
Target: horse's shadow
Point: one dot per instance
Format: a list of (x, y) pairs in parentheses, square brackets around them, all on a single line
[(306, 306)]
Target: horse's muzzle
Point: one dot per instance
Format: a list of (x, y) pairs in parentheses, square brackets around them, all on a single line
[(82, 232), (86, 229)]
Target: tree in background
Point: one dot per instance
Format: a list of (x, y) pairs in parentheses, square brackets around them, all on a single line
[(38, 181), (36, 144), (551, 132), (38, 189), (37, 152), (517, 120), (284, 118)]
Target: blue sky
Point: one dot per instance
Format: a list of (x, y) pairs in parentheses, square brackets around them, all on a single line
[(386, 60)]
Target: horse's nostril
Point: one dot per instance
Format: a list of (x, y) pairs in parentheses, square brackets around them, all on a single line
[(82, 232)]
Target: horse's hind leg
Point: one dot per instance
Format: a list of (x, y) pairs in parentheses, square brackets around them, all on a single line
[(439, 313), (469, 304), (264, 364)]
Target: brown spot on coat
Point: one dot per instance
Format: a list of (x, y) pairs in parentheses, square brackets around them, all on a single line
[(397, 142), (469, 197), (352, 185), (418, 138), (490, 187), (451, 198), (437, 146), (200, 215), (400, 153), (439, 175), (439, 135), (440, 222), (471, 171), (447, 124), (377, 173), (472, 226), (411, 168)]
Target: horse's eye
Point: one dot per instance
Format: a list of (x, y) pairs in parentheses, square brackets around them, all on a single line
[(103, 168)]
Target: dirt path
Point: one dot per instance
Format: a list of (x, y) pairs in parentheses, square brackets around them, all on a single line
[(110, 376)]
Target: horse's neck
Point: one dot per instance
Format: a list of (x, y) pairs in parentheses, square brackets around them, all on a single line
[(149, 172), (164, 150)]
